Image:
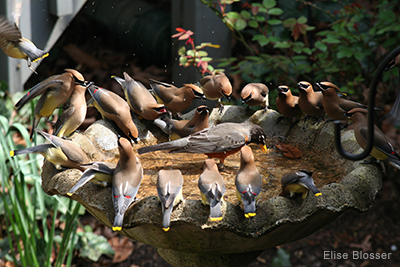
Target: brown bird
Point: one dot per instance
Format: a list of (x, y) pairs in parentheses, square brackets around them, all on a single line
[(126, 181), (395, 62), (15, 46), (217, 141), (335, 106), (212, 189), (176, 99), (60, 152), (287, 103), (182, 128), (169, 190), (54, 91), (382, 149), (140, 100), (98, 172), (216, 86), (255, 94), (248, 182), (116, 110), (72, 117), (298, 182), (310, 102)]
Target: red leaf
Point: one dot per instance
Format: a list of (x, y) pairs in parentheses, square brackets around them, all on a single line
[(289, 151)]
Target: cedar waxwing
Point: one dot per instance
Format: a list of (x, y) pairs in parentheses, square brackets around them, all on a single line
[(72, 117), (176, 99), (395, 62), (15, 46), (54, 91), (60, 152), (169, 190), (248, 182), (216, 86), (115, 109), (382, 149), (140, 100), (126, 181), (98, 172), (218, 141), (310, 101), (255, 94), (335, 106), (298, 182), (182, 128), (212, 189), (288, 104)]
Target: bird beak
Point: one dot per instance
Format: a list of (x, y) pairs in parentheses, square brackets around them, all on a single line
[(264, 148)]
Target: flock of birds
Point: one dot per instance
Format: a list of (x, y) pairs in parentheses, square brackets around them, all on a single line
[(192, 136)]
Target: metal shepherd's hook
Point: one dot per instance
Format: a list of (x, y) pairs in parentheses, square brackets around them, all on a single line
[(371, 105)]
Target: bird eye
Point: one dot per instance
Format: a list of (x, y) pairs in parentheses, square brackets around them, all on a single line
[(323, 86)]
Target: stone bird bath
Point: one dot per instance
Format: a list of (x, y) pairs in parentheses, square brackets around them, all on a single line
[(193, 239)]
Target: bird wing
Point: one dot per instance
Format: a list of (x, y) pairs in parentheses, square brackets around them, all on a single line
[(63, 119), (380, 142), (39, 89), (8, 32)]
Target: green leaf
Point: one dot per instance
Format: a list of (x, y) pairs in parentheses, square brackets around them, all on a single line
[(245, 14), (344, 53), (275, 11), (297, 49), (274, 39), (307, 50), (190, 53), (302, 20), (331, 40), (282, 259), (253, 23), (387, 15), (182, 50), (240, 24), (269, 3), (288, 23), (206, 59), (262, 39), (274, 21), (321, 46), (282, 45), (359, 55), (201, 54), (95, 246), (182, 60), (233, 15)]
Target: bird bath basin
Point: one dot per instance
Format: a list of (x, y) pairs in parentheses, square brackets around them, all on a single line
[(194, 240)]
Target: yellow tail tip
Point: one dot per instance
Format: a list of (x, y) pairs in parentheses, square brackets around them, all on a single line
[(166, 229), (12, 153), (112, 76), (317, 194), (251, 214), (69, 194), (117, 228), (45, 55), (215, 219)]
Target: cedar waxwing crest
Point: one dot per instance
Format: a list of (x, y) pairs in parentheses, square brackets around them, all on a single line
[(303, 85)]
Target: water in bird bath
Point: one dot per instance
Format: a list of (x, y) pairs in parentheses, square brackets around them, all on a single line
[(272, 166)]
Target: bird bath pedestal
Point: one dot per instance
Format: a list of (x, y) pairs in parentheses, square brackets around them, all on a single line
[(193, 239)]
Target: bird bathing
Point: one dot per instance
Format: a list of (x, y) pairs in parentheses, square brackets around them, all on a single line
[(195, 240)]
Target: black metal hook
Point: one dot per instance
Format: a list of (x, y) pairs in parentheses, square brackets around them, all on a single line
[(371, 105)]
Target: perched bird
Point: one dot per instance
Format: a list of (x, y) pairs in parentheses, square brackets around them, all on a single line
[(395, 62), (98, 172), (60, 152), (126, 181), (287, 103), (335, 106), (15, 46), (255, 94), (248, 182), (216, 86), (217, 141), (382, 149), (310, 102), (140, 100), (182, 128), (72, 117), (212, 189), (298, 182), (116, 110), (176, 99), (55, 92), (169, 190)]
